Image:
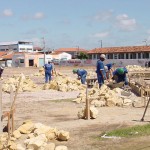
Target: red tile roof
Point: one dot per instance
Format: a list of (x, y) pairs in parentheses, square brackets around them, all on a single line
[(127, 49), (70, 50), (3, 53), (37, 48), (9, 56)]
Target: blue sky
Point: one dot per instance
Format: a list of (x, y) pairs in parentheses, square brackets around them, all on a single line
[(72, 23)]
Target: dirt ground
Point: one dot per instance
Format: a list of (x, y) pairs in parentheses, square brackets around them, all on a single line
[(56, 109)]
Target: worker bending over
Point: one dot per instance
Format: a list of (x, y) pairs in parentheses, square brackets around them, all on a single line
[(81, 74), (110, 70), (48, 71), (120, 75)]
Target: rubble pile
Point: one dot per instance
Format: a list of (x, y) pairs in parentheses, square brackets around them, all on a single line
[(93, 113), (34, 136), (105, 97), (40, 73), (91, 75), (26, 84), (135, 68), (64, 84)]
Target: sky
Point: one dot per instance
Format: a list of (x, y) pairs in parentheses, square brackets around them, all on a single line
[(85, 24)]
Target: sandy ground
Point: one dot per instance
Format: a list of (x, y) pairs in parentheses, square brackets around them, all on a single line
[(56, 109)]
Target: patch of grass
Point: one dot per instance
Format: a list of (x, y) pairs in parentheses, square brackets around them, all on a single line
[(138, 130)]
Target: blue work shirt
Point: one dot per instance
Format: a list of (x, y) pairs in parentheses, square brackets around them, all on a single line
[(109, 66), (100, 66), (121, 77), (48, 67), (81, 72)]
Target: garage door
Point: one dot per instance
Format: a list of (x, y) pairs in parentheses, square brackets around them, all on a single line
[(41, 62)]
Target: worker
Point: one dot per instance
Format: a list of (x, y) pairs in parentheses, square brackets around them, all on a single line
[(101, 74), (81, 74), (110, 70), (48, 71), (106, 72), (119, 75), (1, 70)]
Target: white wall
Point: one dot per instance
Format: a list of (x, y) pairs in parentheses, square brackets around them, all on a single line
[(65, 56), (48, 57), (27, 48)]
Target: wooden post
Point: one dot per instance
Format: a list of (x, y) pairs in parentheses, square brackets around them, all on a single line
[(87, 105), (8, 126), (11, 112), (1, 122)]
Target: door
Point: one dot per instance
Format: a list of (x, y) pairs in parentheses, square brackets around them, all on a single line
[(31, 62), (41, 62)]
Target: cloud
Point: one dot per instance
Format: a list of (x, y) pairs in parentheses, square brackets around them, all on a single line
[(65, 21), (101, 35), (7, 13), (36, 16), (102, 16), (39, 15), (125, 23)]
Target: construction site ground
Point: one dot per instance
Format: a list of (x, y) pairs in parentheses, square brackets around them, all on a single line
[(56, 109)]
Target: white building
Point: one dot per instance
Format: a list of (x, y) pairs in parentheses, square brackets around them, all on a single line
[(61, 56), (17, 46)]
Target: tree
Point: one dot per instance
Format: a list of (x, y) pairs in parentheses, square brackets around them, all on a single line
[(82, 55)]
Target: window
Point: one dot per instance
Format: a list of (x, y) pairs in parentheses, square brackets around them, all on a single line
[(115, 56), (139, 55), (21, 60), (121, 56), (146, 55), (127, 56), (29, 49)]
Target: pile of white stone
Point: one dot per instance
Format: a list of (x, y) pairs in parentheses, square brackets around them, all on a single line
[(64, 83), (34, 136), (93, 113), (135, 68), (105, 97), (26, 84), (40, 73)]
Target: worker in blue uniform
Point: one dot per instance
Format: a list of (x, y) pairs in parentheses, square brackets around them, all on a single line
[(48, 71), (101, 74), (110, 70), (120, 75), (81, 74)]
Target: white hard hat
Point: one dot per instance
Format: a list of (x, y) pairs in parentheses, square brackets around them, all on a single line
[(103, 56)]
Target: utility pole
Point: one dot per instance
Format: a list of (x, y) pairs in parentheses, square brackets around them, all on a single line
[(145, 41), (44, 49), (101, 43)]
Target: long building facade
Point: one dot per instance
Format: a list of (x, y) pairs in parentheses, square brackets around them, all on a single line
[(129, 55)]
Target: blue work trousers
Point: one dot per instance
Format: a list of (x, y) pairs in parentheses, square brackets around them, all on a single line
[(48, 77), (100, 80), (83, 78)]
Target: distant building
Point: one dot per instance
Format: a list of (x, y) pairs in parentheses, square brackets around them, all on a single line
[(128, 52), (61, 56), (73, 51), (122, 56), (17, 46)]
